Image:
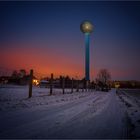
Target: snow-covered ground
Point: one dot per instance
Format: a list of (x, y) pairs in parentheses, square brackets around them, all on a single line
[(131, 99), (16, 97), (92, 114)]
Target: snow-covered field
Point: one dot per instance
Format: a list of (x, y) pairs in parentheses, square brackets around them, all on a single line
[(92, 114), (16, 97)]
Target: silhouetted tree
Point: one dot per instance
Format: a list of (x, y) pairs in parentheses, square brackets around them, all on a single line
[(14, 77), (103, 79), (14, 74), (22, 73), (19, 77), (104, 76)]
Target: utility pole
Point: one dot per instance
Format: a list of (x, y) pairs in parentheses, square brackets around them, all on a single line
[(51, 84), (63, 84), (30, 83), (72, 85), (77, 86)]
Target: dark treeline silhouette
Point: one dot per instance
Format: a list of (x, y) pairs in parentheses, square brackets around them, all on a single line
[(102, 82), (21, 77), (18, 77)]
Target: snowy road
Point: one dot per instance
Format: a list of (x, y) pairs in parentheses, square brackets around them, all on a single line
[(98, 115)]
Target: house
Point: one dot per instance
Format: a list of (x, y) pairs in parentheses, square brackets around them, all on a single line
[(44, 83)]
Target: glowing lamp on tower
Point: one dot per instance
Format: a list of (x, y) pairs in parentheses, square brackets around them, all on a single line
[(87, 28)]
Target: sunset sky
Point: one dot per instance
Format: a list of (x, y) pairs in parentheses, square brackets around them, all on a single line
[(46, 37)]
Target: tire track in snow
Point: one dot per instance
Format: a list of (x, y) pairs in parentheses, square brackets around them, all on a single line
[(58, 111), (108, 123)]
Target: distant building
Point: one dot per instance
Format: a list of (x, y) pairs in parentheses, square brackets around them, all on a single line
[(44, 83), (4, 79), (126, 84)]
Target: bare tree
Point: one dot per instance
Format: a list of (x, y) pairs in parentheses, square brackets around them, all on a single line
[(22, 73), (104, 76), (14, 74)]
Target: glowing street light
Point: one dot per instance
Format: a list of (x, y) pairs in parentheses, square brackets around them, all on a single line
[(87, 28)]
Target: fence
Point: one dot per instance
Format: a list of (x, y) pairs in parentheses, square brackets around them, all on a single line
[(62, 83), (65, 84)]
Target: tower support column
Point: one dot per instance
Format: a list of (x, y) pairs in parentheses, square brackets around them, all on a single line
[(87, 57)]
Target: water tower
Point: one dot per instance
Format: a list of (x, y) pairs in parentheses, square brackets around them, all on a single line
[(87, 28)]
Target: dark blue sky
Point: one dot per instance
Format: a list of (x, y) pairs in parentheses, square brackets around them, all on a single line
[(55, 26)]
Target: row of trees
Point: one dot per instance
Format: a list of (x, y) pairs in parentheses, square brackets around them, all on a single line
[(101, 83), (20, 77)]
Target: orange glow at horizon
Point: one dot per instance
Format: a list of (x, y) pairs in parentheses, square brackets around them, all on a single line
[(44, 61)]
